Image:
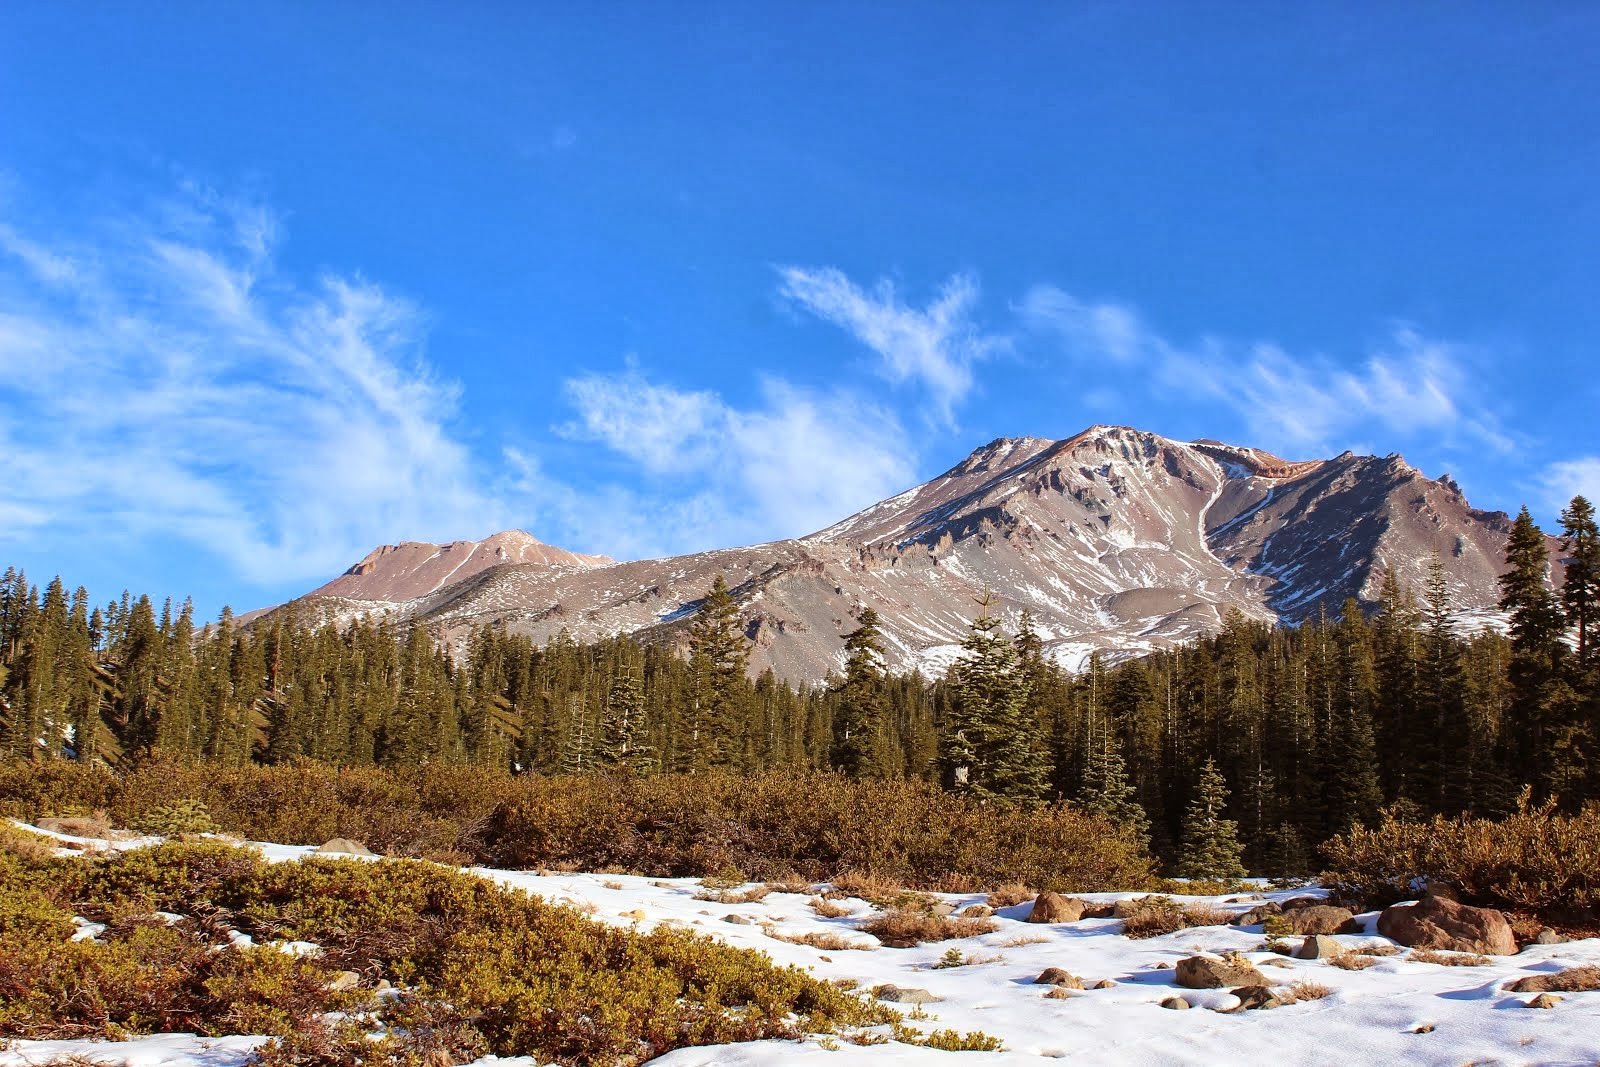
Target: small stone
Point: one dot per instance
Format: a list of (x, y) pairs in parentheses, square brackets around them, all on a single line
[(976, 911), (1163, 966), (1319, 947), (1548, 936), (1058, 977), (1276, 963), (943, 907), (1060, 993), (1424, 1028), (1175, 1003), (737, 920), (636, 914), (1104, 983), (1544, 1000), (343, 846), (896, 995)]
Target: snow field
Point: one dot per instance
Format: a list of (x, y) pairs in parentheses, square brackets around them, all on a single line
[(1395, 1011)]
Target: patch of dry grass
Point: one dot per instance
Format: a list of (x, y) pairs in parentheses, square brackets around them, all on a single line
[(828, 909), (1377, 950), (901, 928), (1162, 916), (1302, 989), (735, 896), (1351, 961), (864, 885), (1010, 895), (1448, 959), (827, 940), (1025, 939)]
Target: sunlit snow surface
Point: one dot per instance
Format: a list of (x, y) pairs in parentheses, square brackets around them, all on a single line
[(1370, 1018)]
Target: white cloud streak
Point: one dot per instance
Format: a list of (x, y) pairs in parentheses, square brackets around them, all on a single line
[(935, 346), (798, 461), (1566, 479), (1407, 385), (164, 382)]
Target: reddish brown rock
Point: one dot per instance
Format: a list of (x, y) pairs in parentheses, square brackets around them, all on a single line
[(1322, 919), (1572, 980), (1211, 972), (1438, 923), (1055, 908)]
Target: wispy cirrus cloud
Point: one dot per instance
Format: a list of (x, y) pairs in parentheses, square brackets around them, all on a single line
[(936, 346), (794, 463), (1406, 384), (161, 379), (1563, 480)]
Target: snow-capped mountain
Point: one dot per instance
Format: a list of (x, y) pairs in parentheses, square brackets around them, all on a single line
[(1115, 539)]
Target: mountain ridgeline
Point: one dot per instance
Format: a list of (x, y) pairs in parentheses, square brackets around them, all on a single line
[(1251, 742), (1116, 541)]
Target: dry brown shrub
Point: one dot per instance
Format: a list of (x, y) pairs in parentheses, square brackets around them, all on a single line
[(866, 886), (828, 909), (789, 883), (1302, 989), (1010, 895), (1351, 961), (1448, 959), (903, 928), (1536, 860)]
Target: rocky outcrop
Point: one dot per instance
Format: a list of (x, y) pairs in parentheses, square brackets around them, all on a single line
[(1055, 908), (1118, 540)]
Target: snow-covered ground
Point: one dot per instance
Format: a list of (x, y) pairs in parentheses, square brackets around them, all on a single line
[(1395, 1012)]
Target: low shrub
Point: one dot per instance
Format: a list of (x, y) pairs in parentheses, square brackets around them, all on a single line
[(1448, 959), (1535, 860), (481, 968), (907, 928), (1156, 915)]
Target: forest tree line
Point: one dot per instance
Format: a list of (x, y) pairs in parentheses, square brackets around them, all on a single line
[(1292, 734)]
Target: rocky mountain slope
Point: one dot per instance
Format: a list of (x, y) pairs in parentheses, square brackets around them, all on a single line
[(1115, 539)]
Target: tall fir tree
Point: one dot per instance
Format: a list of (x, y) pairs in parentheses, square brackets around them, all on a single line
[(1536, 651), (718, 655), (1211, 847), (861, 744), (990, 748)]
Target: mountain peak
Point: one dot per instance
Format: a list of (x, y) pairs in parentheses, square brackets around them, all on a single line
[(411, 569)]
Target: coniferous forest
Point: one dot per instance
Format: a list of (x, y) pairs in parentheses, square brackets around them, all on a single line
[(1292, 735)]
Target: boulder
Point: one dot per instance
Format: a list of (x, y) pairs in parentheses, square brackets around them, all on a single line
[(1572, 980), (1104, 983), (1319, 947), (1126, 908), (1259, 914), (1175, 1003), (737, 920), (1439, 923), (1055, 908), (1548, 936), (1059, 977), (1544, 1000), (976, 911), (343, 846), (1212, 972), (1322, 919), (1296, 903), (1256, 998), (897, 995)]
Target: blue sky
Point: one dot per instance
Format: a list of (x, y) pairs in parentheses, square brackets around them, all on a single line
[(279, 283)]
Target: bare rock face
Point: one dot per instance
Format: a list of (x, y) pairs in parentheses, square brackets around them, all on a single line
[(1439, 923), (1055, 908), (1322, 919), (1212, 972), (1119, 541)]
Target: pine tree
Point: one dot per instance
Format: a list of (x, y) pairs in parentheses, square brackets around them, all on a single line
[(1107, 792), (861, 747), (1580, 590), (718, 656), (622, 728), (1211, 847), (989, 747), (1536, 648)]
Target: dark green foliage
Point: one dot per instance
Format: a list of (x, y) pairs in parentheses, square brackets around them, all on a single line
[(1211, 847), (861, 744), (989, 744)]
